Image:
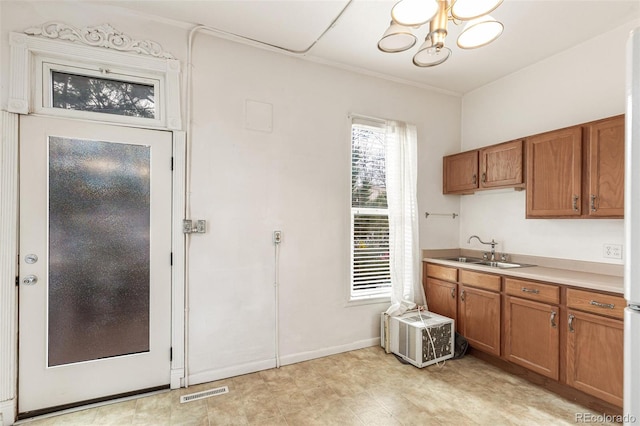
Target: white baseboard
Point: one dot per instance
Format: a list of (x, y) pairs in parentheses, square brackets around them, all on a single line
[(238, 370), (7, 412), (306, 356)]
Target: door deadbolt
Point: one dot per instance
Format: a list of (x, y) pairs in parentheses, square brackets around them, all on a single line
[(29, 280), (31, 258)]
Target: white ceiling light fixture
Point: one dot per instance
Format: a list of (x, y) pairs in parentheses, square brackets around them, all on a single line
[(397, 38), (481, 29)]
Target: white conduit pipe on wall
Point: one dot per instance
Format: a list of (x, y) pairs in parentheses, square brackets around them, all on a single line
[(189, 106), (276, 292)]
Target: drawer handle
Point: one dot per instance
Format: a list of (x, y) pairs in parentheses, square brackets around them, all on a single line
[(593, 203), (453, 293), (602, 305), (462, 296), (475, 178), (484, 177), (530, 290), (553, 319), (575, 203), (571, 329)]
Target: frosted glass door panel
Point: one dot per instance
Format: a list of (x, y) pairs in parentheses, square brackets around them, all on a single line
[(99, 218)]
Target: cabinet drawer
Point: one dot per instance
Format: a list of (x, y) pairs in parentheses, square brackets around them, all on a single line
[(479, 280), (532, 290), (442, 272), (598, 303)]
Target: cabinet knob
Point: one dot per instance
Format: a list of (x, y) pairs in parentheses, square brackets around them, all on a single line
[(462, 295), (484, 177), (453, 293), (475, 178)]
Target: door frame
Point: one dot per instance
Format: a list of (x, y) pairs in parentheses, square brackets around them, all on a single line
[(24, 50)]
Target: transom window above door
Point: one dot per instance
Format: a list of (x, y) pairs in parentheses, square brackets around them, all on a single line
[(94, 73), (93, 92)]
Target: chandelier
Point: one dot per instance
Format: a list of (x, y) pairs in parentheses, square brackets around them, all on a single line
[(480, 29)]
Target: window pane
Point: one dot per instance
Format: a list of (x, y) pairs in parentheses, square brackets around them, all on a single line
[(99, 218), (371, 274), (371, 253), (368, 186), (84, 93)]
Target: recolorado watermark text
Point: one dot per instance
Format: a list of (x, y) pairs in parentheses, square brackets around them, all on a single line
[(604, 418)]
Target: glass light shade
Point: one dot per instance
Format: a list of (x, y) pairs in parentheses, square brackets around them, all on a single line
[(471, 9), (429, 55), (413, 13), (479, 32), (397, 38)]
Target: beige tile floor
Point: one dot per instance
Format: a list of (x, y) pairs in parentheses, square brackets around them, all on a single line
[(363, 387)]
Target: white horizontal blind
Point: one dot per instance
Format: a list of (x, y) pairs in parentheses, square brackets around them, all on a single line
[(370, 273)]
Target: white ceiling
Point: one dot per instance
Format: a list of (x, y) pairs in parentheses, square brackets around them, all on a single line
[(534, 30)]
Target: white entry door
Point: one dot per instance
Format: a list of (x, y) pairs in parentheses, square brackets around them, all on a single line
[(95, 271)]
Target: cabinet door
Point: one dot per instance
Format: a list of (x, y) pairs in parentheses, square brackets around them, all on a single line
[(595, 355), (501, 165), (554, 173), (479, 318), (531, 335), (606, 168), (460, 173), (442, 298)]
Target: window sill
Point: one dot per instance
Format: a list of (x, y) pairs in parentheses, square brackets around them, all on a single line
[(368, 300)]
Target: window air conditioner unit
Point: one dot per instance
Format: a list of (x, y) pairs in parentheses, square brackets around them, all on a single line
[(420, 338)]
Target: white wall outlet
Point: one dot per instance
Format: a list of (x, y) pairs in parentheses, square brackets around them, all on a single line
[(612, 251)]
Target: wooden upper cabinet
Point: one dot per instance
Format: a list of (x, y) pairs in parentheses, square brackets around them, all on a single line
[(502, 165), (495, 166), (554, 173), (605, 168), (460, 173)]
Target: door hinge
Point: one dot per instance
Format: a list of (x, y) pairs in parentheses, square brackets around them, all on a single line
[(171, 163), (171, 258), (171, 353), (17, 281)]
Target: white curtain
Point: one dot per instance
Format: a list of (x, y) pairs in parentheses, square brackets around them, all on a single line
[(404, 249)]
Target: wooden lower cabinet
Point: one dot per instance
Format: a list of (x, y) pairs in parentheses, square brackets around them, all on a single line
[(595, 355), (479, 318), (442, 297), (572, 336), (531, 333)]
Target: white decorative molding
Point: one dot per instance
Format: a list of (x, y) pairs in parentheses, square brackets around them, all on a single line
[(178, 245), (30, 52), (8, 263), (100, 36)]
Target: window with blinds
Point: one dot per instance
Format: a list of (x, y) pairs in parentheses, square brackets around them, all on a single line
[(370, 274)]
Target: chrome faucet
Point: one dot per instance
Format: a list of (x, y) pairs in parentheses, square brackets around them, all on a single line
[(492, 244)]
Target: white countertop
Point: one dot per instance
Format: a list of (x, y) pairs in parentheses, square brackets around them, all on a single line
[(586, 280)]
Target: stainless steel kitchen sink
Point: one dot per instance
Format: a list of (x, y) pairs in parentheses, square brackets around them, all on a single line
[(464, 259), (503, 265), (493, 264)]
